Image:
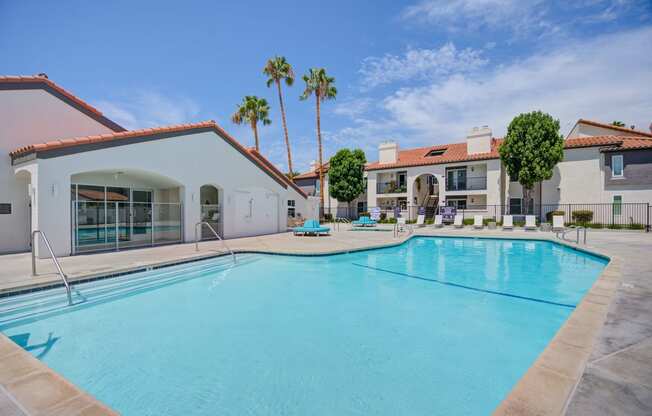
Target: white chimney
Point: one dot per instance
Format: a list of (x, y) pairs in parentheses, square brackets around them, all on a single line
[(388, 152), (313, 165), (479, 140)]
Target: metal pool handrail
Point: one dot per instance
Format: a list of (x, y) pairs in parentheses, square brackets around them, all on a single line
[(562, 234), (54, 259), (198, 226)]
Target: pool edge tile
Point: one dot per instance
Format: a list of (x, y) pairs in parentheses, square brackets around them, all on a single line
[(35, 387)]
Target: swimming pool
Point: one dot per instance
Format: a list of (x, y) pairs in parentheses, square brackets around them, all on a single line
[(435, 326)]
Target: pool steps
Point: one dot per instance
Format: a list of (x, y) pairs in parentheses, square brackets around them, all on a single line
[(32, 305)]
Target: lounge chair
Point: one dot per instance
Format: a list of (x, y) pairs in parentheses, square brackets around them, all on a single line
[(421, 221), (364, 221), (311, 227), (439, 221), (508, 222), (477, 221), (458, 221), (530, 222), (558, 223)]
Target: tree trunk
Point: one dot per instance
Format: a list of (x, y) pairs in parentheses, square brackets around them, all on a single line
[(321, 164), (254, 127), (527, 196), (285, 127)]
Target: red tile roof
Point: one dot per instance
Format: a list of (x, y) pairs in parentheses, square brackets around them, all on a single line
[(11, 82), (630, 143), (313, 173), (610, 126), (82, 144), (270, 165), (454, 152)]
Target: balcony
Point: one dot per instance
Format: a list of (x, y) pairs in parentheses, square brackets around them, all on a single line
[(390, 188), (476, 183)]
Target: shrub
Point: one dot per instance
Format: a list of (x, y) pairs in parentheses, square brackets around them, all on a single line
[(614, 226), (328, 217), (467, 221), (551, 214), (595, 225), (582, 216), (383, 216), (634, 226)]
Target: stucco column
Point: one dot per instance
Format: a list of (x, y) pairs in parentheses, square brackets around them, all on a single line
[(191, 211), (53, 210), (372, 200)]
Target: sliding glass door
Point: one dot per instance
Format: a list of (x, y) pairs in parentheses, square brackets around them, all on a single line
[(107, 217)]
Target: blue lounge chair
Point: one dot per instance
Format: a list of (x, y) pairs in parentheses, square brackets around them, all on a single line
[(364, 221), (311, 227)]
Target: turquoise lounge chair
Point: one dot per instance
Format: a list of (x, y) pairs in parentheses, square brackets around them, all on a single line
[(364, 221), (311, 227)]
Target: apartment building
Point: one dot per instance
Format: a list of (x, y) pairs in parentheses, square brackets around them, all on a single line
[(603, 164)]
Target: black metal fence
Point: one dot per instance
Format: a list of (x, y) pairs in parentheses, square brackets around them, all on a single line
[(632, 216)]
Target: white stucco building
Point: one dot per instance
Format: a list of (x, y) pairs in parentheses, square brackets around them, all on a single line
[(602, 164), (89, 184)]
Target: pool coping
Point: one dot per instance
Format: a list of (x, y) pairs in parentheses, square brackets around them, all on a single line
[(545, 388)]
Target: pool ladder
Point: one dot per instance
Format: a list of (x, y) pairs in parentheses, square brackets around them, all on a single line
[(562, 234), (62, 275), (197, 239)]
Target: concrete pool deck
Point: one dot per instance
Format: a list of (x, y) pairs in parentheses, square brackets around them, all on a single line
[(600, 361)]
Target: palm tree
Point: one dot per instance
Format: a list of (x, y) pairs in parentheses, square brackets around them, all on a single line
[(618, 124), (321, 85), (252, 110), (278, 69)]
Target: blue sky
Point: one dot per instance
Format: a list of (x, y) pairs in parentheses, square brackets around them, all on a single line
[(421, 72)]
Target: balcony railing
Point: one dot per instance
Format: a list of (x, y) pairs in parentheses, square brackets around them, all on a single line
[(390, 188), (475, 183)]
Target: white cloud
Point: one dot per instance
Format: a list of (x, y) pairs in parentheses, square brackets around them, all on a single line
[(419, 64), (353, 107), (517, 15), (522, 17), (145, 108), (605, 79)]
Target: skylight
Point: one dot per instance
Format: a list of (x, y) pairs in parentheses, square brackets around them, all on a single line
[(436, 152)]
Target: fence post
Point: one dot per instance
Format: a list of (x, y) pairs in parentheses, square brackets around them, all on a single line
[(647, 221)]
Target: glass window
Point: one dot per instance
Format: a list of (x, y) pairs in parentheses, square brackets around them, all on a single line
[(457, 203), (291, 208), (617, 166), (116, 194), (618, 204), (90, 193), (515, 206)]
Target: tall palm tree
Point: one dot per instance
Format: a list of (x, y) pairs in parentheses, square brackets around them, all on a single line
[(252, 110), (278, 69), (319, 84)]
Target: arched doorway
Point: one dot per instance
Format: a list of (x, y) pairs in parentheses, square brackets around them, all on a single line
[(426, 193), (209, 197)]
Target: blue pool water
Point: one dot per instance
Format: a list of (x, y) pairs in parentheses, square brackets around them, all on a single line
[(436, 326)]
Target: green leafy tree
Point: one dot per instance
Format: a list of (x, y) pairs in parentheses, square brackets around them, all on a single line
[(531, 149), (278, 69), (252, 110), (319, 84), (346, 175), (618, 123)]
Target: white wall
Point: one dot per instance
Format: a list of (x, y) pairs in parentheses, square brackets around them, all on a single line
[(585, 130), (192, 160), (31, 117)]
